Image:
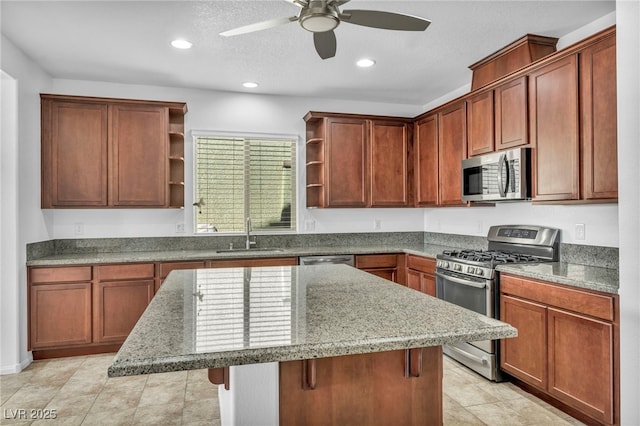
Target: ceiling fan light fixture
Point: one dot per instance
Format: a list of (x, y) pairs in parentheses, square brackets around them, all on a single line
[(181, 44), (319, 23), (250, 84)]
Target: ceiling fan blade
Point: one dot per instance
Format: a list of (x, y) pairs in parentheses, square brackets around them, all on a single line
[(299, 3), (325, 44), (259, 26), (384, 20)]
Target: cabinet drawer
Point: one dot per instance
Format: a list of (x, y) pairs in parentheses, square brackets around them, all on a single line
[(422, 264), (167, 267), (377, 261), (587, 303), (121, 272), (58, 275)]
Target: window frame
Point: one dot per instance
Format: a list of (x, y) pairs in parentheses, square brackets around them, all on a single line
[(295, 140)]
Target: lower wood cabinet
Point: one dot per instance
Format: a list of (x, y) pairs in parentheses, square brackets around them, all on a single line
[(382, 265), (59, 307), (567, 345), (421, 274), (119, 298)]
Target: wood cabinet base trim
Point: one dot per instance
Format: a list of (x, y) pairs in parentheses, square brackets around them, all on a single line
[(557, 404), (79, 351)]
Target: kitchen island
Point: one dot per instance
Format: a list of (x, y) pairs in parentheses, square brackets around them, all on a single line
[(304, 344)]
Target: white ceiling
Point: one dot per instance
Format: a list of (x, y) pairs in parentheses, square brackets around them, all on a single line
[(128, 42)]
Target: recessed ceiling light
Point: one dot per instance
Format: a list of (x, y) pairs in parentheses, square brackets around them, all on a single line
[(181, 44), (365, 63), (250, 84)]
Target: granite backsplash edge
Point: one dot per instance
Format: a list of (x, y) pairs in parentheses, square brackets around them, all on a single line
[(599, 256)]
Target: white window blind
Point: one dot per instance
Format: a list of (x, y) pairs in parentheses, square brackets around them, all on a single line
[(243, 308), (245, 177)]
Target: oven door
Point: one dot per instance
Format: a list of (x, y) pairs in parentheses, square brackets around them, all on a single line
[(473, 293)]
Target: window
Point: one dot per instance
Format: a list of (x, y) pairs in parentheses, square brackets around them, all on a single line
[(238, 177)]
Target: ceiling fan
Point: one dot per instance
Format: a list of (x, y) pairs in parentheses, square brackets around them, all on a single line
[(321, 17)]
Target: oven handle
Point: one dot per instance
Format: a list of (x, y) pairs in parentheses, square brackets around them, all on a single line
[(460, 281), (484, 360)]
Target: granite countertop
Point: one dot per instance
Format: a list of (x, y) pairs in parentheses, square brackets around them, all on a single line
[(582, 276), (430, 250), (211, 318)]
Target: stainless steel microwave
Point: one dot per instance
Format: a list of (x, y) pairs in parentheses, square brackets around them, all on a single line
[(498, 176)]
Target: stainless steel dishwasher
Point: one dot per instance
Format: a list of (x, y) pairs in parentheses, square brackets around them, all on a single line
[(346, 259)]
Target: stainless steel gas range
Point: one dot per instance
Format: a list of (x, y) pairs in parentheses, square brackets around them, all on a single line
[(467, 278)]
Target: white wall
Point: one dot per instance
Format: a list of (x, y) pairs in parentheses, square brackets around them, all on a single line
[(22, 220), (628, 72)]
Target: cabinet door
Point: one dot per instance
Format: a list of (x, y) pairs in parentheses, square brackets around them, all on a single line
[(599, 124), (139, 157), (525, 356), (511, 114), (389, 172), (59, 315), (426, 161), (425, 283), (117, 307), (581, 369), (480, 124), (553, 105), (74, 154), (346, 163), (452, 149)]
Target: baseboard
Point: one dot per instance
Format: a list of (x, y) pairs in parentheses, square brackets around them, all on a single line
[(16, 368)]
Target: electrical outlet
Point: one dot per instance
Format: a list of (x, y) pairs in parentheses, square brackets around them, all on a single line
[(377, 224), (78, 228), (580, 231), (179, 228)]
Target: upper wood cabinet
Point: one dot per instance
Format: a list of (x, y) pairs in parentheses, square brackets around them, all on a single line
[(356, 161), (554, 119), (480, 122), (511, 114), (425, 159), (102, 152), (389, 163), (598, 113), (452, 149)]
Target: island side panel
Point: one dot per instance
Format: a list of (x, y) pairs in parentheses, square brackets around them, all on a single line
[(370, 389)]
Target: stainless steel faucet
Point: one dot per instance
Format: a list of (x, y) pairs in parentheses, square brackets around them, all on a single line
[(249, 243)]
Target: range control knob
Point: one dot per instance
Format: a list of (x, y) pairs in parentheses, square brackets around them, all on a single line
[(457, 267), (444, 264), (471, 270), (480, 272)]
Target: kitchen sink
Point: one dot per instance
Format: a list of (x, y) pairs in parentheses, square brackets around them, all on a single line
[(243, 250)]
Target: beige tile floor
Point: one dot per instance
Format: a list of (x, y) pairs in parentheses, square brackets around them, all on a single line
[(79, 391)]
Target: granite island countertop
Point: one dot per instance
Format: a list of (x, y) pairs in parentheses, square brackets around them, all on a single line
[(212, 318)]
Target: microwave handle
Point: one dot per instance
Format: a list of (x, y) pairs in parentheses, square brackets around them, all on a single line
[(502, 186)]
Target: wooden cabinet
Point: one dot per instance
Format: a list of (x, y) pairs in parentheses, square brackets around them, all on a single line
[(425, 158), (452, 149), (554, 119), (480, 122), (74, 145), (498, 119), (567, 344), (121, 294), (102, 152), (511, 114), (59, 307), (381, 265), (598, 113), (389, 163), (356, 161), (421, 274)]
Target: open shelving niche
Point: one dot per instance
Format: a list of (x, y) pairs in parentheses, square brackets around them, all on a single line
[(315, 141), (176, 156)]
